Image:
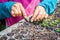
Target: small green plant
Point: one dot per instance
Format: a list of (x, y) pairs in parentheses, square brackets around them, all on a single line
[(58, 30), (48, 20), (52, 25), (44, 24), (55, 22), (36, 22)]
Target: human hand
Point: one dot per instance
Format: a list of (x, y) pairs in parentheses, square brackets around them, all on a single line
[(39, 14), (18, 10)]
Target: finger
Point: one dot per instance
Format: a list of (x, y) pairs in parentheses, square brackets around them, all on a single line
[(46, 15), (14, 8), (35, 14), (18, 9), (12, 13), (23, 11), (36, 17), (39, 17), (43, 15)]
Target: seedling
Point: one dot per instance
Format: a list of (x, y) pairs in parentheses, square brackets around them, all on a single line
[(51, 25), (55, 22), (48, 20), (36, 22), (44, 24), (57, 30)]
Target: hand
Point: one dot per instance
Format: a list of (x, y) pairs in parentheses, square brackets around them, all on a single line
[(39, 14), (18, 10)]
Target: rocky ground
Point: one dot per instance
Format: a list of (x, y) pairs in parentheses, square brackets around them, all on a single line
[(48, 29)]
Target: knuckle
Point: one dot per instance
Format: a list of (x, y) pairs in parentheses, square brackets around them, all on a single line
[(14, 4)]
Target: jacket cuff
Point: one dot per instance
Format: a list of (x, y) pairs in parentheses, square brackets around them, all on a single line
[(8, 5), (6, 9), (49, 6)]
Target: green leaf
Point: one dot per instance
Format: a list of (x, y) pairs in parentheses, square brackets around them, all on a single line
[(44, 24), (51, 25), (58, 29), (56, 21), (48, 19), (36, 23)]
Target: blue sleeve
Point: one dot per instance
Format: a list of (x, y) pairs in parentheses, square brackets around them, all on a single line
[(5, 9), (49, 5)]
